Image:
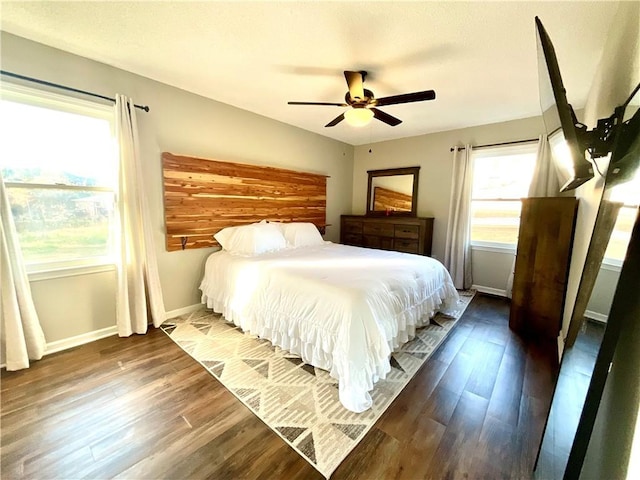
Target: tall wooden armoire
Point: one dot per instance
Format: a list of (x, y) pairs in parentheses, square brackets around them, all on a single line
[(542, 265)]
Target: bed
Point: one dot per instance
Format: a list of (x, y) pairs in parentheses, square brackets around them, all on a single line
[(340, 308)]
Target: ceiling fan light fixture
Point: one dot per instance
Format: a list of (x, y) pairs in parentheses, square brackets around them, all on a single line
[(358, 117), (364, 105)]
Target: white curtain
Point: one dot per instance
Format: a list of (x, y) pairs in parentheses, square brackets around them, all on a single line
[(457, 256), (138, 284), (544, 183), (20, 330), (545, 179)]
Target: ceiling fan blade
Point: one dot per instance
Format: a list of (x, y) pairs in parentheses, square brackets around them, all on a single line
[(355, 81), (406, 98), (385, 117), (319, 103), (335, 121)]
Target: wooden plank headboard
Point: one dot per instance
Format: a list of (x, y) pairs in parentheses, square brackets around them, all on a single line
[(201, 197)]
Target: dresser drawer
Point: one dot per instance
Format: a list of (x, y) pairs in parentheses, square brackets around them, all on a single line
[(352, 239), (403, 234), (374, 241), (352, 226), (382, 229), (406, 245), (371, 241), (407, 231), (386, 243)]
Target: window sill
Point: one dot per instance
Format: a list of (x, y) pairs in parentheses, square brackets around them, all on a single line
[(52, 273), (494, 247), (611, 264)]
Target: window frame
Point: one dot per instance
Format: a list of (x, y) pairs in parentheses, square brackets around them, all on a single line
[(529, 147), (42, 270)]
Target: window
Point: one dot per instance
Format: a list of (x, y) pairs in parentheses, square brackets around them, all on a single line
[(627, 194), (501, 177), (60, 170)]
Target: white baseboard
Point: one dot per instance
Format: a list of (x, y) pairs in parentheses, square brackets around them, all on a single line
[(490, 290), (598, 317), (184, 310), (66, 343), (71, 342)]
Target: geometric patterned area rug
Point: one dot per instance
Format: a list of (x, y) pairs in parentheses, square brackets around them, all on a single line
[(297, 401)]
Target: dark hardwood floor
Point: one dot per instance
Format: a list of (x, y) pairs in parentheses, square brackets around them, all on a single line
[(140, 407)]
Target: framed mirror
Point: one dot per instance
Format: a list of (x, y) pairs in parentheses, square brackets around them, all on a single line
[(393, 191), (591, 341)]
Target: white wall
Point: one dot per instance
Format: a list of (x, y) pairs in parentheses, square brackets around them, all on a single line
[(432, 153), (75, 305), (179, 122), (602, 295), (491, 269)]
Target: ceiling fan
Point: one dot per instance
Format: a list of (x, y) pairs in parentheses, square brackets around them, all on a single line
[(363, 103)]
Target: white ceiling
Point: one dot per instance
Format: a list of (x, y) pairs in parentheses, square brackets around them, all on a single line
[(479, 57)]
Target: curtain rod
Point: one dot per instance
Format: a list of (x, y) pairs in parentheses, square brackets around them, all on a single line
[(63, 87), (498, 144)]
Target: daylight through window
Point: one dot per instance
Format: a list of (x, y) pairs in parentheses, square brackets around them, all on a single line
[(501, 177), (59, 167), (629, 195)]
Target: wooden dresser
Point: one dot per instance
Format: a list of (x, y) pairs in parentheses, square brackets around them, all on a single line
[(403, 234), (542, 266)]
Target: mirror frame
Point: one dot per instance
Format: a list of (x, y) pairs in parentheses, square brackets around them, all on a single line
[(389, 172), (602, 230)]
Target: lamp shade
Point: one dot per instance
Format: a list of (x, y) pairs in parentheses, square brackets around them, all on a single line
[(358, 117)]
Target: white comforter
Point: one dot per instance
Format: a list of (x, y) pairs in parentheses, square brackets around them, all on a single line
[(340, 308)]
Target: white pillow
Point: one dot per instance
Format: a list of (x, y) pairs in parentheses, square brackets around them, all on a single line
[(223, 237), (251, 239), (301, 234)]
